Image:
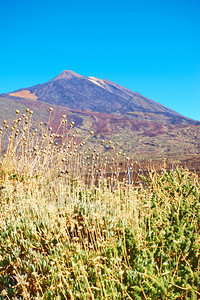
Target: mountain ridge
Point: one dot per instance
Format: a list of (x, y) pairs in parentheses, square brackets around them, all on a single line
[(75, 91), (141, 127)]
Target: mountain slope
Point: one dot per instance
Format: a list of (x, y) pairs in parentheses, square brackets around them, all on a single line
[(138, 138), (142, 128), (78, 92)]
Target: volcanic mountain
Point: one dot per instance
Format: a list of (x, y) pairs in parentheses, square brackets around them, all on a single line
[(78, 92), (141, 126)]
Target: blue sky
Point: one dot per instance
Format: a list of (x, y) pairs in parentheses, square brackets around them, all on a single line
[(151, 47)]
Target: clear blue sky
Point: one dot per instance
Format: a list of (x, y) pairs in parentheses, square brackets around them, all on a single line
[(151, 46)]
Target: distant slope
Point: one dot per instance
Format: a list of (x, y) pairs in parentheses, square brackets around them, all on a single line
[(139, 137), (74, 91)]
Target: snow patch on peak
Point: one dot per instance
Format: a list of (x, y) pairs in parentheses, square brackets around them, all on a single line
[(97, 81)]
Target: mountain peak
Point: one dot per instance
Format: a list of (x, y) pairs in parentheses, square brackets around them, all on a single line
[(66, 74), (78, 92)]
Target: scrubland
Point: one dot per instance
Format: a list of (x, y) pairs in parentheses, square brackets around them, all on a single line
[(71, 227)]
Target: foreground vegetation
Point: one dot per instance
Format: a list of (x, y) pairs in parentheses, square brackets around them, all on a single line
[(69, 232)]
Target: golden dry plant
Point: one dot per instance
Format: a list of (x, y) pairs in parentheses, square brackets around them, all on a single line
[(72, 228), (42, 154), (37, 152)]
